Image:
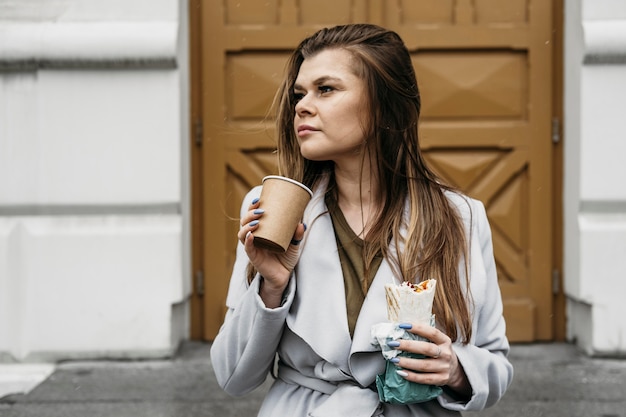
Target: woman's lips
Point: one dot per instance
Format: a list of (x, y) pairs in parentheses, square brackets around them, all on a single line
[(304, 130)]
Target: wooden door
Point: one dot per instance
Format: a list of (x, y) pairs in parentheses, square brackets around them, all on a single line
[(484, 70)]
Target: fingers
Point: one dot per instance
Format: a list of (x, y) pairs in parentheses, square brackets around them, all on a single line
[(298, 235), (254, 213), (245, 232), (436, 356), (428, 375), (428, 349), (437, 364), (429, 370), (250, 221), (426, 331), (248, 240)]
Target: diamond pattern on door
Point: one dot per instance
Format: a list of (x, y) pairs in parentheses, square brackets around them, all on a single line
[(460, 167), (251, 82), (472, 84)]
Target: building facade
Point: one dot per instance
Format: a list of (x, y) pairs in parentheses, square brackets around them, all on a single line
[(95, 177), (594, 204)]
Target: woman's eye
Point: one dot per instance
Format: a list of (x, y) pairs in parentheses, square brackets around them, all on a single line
[(325, 89), (297, 97)]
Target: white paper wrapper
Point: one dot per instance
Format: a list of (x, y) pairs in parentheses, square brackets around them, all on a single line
[(406, 305), (386, 332)]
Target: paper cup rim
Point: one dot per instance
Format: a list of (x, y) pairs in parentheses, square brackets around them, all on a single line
[(299, 184)]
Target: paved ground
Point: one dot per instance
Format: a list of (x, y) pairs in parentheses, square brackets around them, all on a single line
[(552, 380)]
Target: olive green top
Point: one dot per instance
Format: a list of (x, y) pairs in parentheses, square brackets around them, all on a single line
[(352, 264)]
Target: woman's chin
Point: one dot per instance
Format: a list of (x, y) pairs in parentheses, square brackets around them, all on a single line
[(312, 156)]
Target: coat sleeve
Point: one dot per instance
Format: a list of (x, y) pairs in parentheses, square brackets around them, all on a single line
[(484, 360), (243, 351)]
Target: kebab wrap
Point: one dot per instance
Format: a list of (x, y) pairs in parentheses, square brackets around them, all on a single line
[(410, 303), (406, 303)]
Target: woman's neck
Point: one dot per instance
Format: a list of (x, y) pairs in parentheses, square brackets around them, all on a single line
[(356, 196)]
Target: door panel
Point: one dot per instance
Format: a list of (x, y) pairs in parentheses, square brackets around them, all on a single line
[(484, 70)]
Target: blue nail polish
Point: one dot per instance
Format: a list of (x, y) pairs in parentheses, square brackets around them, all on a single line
[(394, 360), (405, 326), (256, 200), (259, 211), (393, 344), (253, 223), (304, 224)]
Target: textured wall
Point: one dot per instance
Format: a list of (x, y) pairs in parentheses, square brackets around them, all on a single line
[(93, 182), (595, 195)]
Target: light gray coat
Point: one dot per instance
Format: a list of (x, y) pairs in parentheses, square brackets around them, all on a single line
[(322, 371)]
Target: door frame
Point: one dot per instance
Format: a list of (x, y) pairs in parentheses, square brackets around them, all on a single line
[(559, 301), (210, 278)]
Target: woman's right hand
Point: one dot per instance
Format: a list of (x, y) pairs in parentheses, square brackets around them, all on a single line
[(275, 268)]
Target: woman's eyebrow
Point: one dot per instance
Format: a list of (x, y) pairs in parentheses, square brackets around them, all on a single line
[(321, 80)]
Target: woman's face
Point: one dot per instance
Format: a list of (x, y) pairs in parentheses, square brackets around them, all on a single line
[(330, 113)]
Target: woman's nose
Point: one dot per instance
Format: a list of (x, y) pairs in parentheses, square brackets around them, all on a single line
[(304, 106)]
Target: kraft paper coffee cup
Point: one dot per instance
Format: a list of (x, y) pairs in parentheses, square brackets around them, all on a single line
[(284, 201)]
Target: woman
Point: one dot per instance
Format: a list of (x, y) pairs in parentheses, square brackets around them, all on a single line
[(347, 122)]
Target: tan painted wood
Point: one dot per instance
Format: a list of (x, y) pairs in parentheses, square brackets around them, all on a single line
[(485, 72), (196, 330), (557, 169)]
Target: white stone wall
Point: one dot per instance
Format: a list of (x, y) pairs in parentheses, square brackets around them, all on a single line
[(595, 192), (94, 240)]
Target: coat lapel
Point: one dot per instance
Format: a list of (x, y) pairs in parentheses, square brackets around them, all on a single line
[(318, 313), (373, 311)]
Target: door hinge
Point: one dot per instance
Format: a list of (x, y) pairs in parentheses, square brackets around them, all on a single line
[(198, 132), (556, 281), (556, 130), (199, 277)]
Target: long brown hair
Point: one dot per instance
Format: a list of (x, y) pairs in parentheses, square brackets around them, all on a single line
[(414, 212)]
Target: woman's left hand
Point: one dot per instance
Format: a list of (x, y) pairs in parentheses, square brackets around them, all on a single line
[(440, 366)]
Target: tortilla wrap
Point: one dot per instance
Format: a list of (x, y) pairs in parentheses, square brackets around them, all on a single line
[(410, 303)]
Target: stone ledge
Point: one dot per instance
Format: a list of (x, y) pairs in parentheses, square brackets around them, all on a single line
[(32, 45), (605, 42), (22, 378)]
